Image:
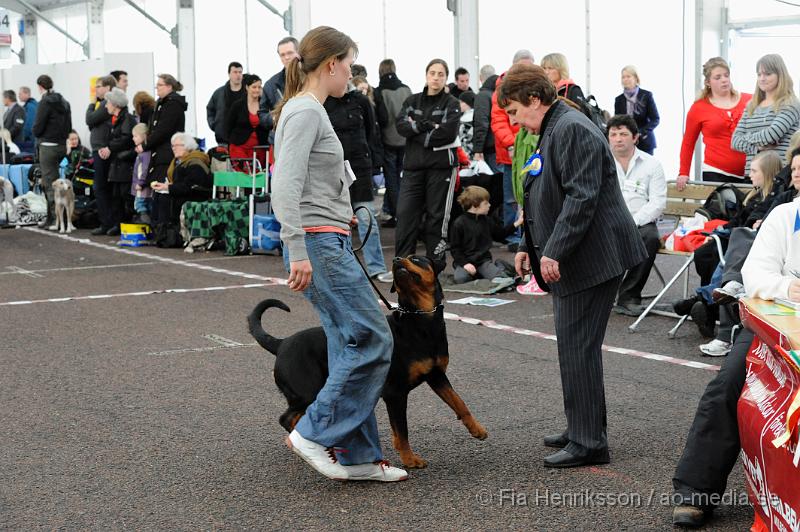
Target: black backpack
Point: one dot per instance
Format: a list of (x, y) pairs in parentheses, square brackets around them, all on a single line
[(723, 203), (591, 109)]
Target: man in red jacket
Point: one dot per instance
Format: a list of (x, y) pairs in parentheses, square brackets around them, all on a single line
[(504, 135)]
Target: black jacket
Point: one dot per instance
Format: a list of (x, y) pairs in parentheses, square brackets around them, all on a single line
[(216, 111), (99, 122), (471, 238), (645, 115), (271, 95), (168, 118), (147, 114), (425, 113), (53, 119), (237, 126), (353, 120), (14, 122), (574, 210), (482, 136), (120, 142)]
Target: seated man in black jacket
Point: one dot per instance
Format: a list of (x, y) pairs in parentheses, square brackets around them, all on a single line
[(471, 238)]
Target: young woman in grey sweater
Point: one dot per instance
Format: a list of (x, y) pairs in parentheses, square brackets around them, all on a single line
[(338, 434)]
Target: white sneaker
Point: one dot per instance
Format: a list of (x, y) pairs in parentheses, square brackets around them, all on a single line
[(320, 458), (716, 348), (53, 227), (379, 471), (385, 277)]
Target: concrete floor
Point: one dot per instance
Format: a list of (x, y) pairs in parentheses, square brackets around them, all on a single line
[(150, 408)]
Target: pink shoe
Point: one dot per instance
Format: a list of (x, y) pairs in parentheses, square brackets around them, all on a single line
[(531, 288)]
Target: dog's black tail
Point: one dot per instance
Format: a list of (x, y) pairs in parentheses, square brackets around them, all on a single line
[(267, 341)]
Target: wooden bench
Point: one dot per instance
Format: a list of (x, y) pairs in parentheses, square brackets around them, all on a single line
[(681, 203)]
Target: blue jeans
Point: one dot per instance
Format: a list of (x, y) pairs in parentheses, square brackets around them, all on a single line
[(360, 347), (707, 290), (509, 203), (142, 205), (373, 252)]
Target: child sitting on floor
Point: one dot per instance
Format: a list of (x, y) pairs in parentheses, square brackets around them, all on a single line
[(471, 238), (140, 187)]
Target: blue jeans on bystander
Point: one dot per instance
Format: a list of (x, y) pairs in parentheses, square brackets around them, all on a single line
[(373, 252)]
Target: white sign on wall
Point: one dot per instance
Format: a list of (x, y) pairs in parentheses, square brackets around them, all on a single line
[(5, 28)]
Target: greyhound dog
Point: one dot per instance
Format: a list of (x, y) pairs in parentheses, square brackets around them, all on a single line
[(8, 210), (65, 205)]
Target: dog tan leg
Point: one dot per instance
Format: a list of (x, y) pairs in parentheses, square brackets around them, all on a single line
[(440, 384), (70, 210), (396, 407)]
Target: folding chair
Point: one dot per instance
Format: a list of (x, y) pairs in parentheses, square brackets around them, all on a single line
[(679, 203)]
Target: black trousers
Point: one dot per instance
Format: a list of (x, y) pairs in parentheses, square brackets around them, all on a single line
[(120, 204), (426, 197), (712, 445), (630, 291), (706, 259), (102, 190), (716, 177), (581, 320), (392, 165)]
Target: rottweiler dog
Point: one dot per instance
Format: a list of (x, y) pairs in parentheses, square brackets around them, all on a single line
[(420, 355)]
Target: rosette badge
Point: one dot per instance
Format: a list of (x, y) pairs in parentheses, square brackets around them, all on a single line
[(533, 166)]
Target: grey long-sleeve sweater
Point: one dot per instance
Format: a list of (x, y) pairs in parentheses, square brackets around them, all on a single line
[(309, 186)]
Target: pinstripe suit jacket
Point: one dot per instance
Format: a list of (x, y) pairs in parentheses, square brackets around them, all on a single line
[(574, 211)]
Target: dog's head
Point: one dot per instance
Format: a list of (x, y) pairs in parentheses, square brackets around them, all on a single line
[(62, 185), (416, 283)]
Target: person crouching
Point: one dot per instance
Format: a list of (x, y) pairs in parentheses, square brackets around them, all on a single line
[(471, 238)]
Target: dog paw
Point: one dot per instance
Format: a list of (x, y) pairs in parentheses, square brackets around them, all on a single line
[(477, 431), (413, 461)]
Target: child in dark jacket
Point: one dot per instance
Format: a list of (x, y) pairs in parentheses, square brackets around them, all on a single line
[(471, 238)]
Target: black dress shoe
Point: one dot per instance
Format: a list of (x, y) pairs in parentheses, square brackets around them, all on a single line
[(564, 459), (99, 231), (114, 231), (391, 222), (702, 317), (689, 516), (684, 306), (559, 441)]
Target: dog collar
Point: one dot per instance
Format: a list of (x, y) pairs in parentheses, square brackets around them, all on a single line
[(402, 310)]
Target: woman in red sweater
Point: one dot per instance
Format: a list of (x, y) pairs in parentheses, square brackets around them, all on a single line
[(715, 114)]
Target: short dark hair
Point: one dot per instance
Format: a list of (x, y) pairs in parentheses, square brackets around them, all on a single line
[(234, 64), (472, 196), (11, 95), (438, 61), (358, 70), (118, 74), (287, 40), (623, 121), (249, 79), (45, 82), (108, 81), (386, 66), (460, 71), (523, 82)]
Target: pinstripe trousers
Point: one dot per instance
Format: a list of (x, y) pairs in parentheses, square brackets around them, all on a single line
[(581, 320)]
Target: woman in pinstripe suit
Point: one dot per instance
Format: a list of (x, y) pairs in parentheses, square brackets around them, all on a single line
[(582, 239)]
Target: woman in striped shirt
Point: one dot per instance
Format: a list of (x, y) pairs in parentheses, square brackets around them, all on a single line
[(772, 116)]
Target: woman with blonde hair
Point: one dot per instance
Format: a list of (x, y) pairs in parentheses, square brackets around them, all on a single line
[(337, 434), (638, 103), (772, 116), (715, 114), (556, 67)]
